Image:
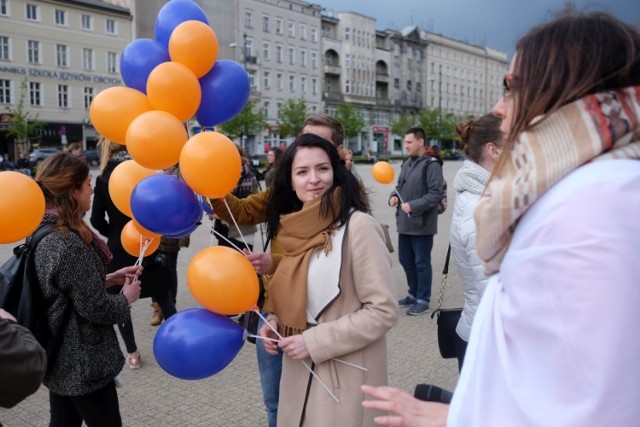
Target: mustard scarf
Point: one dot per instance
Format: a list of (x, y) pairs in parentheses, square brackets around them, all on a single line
[(600, 126), (301, 234)]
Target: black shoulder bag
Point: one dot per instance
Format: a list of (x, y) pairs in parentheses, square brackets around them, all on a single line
[(447, 318)]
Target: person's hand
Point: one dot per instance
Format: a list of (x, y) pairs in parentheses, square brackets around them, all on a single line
[(266, 332), (118, 277), (261, 261), (131, 290), (393, 201), (294, 347), (405, 410), (6, 315), (406, 208)]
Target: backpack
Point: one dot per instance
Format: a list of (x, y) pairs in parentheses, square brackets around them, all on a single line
[(20, 292), (442, 204), (246, 184)]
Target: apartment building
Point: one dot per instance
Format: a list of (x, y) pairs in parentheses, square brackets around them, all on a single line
[(66, 52)]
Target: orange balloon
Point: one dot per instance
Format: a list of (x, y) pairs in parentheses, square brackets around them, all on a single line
[(123, 179), (21, 206), (194, 44), (144, 231), (172, 87), (223, 280), (133, 241), (155, 139), (113, 110), (382, 172), (210, 164)]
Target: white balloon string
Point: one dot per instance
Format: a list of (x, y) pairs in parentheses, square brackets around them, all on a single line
[(237, 226), (226, 240), (400, 197), (262, 338), (303, 362), (353, 365)]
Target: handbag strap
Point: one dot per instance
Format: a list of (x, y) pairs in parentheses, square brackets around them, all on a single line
[(443, 282)]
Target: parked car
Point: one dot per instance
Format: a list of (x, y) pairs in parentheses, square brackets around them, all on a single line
[(39, 154), (93, 157), (452, 155)]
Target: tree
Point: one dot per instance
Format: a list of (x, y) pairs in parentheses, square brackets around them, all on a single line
[(430, 119), (249, 122), (291, 117), (352, 122), (21, 123), (405, 122)]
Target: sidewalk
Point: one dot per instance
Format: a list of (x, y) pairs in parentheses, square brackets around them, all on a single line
[(233, 397)]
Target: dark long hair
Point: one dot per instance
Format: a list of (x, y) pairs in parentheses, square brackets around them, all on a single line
[(283, 200), (58, 175), (583, 54)]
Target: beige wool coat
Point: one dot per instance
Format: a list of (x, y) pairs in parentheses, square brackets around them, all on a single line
[(351, 328)]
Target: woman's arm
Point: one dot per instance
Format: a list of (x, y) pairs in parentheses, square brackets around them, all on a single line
[(247, 211)]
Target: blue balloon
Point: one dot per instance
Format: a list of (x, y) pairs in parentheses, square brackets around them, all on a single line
[(197, 343), (138, 59), (225, 91), (184, 233), (204, 204), (173, 14), (165, 205)]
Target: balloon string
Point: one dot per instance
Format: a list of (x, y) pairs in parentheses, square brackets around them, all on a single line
[(236, 224), (400, 197), (144, 245), (303, 362), (225, 239)]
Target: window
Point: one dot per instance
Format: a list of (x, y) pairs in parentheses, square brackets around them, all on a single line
[(266, 50), (111, 27), (248, 19), (5, 91), (35, 96), (303, 31), (4, 48), (4, 8), (86, 22), (279, 54), (279, 26), (303, 84), (279, 81), (292, 83), (347, 34), (61, 17), (347, 61), (291, 30), (314, 59), (63, 96), (32, 12), (62, 55), (347, 87), (266, 83), (265, 24), (409, 52), (265, 108), (314, 35), (292, 56), (248, 48), (314, 86), (87, 59), (88, 97), (112, 62), (33, 51), (252, 78), (303, 57)]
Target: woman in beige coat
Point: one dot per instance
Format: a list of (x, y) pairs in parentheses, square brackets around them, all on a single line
[(331, 298)]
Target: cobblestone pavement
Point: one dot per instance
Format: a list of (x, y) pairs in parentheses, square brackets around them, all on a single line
[(151, 397)]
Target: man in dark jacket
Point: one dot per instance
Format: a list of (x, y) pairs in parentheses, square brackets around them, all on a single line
[(22, 362), (416, 199)]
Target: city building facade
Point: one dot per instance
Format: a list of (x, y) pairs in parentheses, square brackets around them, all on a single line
[(57, 56)]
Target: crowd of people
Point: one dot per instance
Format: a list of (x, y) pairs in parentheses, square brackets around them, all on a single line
[(544, 229)]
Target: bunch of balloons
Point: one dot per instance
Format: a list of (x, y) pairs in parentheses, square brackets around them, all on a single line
[(169, 80)]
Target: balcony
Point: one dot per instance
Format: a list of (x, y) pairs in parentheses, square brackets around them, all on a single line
[(382, 77), (332, 69), (332, 97)]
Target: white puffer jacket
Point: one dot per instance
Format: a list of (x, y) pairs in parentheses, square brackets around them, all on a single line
[(469, 184)]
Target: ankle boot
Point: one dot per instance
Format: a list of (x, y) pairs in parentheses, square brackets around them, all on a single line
[(157, 314)]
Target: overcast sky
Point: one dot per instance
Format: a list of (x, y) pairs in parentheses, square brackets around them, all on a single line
[(493, 23)]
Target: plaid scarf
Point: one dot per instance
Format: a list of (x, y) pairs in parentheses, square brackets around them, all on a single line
[(600, 126), (301, 234)]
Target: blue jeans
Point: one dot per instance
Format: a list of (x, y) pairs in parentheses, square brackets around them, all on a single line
[(270, 368), (414, 253)]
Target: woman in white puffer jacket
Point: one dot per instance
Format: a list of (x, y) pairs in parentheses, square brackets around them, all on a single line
[(482, 141)]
